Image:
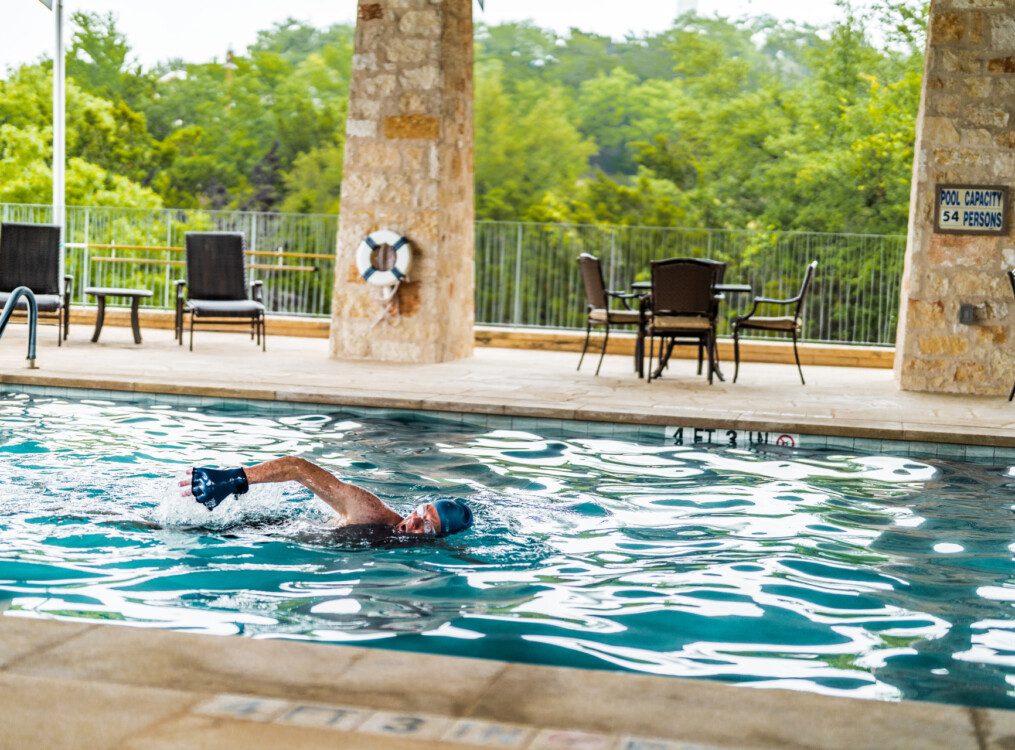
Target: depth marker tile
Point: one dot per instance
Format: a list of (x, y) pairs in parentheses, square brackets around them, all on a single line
[(242, 707)]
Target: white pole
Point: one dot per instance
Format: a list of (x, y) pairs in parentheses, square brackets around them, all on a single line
[(59, 118)]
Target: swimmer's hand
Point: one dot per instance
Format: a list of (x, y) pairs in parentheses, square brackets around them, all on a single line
[(211, 486)]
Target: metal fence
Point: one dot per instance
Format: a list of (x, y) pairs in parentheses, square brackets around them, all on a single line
[(293, 254), (526, 273)]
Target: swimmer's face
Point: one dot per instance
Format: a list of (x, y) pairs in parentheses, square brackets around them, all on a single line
[(423, 520)]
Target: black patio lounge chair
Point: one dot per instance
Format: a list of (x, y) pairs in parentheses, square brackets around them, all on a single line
[(1011, 279), (30, 256), (217, 287), (683, 309), (597, 308), (791, 324)]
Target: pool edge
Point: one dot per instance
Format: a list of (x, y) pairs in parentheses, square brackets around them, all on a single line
[(96, 672), (895, 430)]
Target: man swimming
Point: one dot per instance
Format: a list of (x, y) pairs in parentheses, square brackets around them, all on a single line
[(355, 505)]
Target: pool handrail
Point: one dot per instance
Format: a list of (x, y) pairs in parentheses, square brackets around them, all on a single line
[(33, 317)]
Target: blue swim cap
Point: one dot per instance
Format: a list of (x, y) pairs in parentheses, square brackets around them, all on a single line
[(454, 514)]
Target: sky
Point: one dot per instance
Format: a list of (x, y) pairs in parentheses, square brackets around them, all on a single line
[(202, 30)]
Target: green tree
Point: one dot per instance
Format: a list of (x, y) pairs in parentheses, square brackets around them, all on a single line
[(739, 123), (525, 145), (314, 183), (107, 145), (99, 60)]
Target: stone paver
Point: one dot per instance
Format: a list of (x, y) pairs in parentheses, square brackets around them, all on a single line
[(55, 713), (183, 661), (725, 716), (22, 637), (996, 728), (836, 401), (136, 688)]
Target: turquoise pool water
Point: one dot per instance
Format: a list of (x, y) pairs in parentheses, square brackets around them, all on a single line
[(829, 571)]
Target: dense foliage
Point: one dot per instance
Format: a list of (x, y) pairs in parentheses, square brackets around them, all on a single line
[(715, 122)]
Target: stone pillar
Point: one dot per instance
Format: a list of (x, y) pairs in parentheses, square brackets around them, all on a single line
[(965, 135), (409, 168)]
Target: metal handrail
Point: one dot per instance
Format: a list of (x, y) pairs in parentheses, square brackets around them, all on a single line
[(33, 318)]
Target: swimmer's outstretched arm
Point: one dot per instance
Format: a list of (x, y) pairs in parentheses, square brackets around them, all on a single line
[(355, 504)]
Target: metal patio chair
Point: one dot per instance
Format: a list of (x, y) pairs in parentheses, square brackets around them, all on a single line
[(597, 308), (217, 287), (683, 309), (30, 257), (791, 324)]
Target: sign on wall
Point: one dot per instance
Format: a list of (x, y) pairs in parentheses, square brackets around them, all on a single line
[(971, 209)]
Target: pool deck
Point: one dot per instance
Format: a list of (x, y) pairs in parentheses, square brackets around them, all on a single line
[(837, 401), (71, 684), (74, 685)]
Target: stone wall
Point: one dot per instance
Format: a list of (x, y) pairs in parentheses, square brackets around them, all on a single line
[(409, 168), (965, 135)]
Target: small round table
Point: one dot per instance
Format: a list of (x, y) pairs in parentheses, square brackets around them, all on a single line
[(101, 292)]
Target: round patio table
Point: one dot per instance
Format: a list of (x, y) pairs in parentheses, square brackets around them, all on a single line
[(135, 295), (646, 286)]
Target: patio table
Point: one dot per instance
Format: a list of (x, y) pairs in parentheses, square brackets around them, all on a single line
[(646, 286), (135, 295)]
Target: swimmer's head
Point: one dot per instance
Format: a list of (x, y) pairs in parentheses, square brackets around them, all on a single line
[(439, 518), (454, 514)]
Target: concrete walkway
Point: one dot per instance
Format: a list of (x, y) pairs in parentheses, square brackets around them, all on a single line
[(836, 401)]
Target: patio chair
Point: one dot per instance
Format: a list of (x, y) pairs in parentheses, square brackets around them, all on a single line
[(30, 256), (598, 312), (791, 324), (683, 308), (720, 274), (217, 287), (1011, 279)]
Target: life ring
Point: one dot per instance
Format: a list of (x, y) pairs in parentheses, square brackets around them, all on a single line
[(403, 258)]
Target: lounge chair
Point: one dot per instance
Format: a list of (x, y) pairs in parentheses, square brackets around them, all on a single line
[(217, 287), (30, 256), (684, 309), (597, 308), (791, 324)]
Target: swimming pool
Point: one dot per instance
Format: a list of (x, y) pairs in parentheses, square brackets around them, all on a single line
[(828, 570)]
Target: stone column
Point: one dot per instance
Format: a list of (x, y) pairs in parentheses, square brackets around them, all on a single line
[(965, 135), (409, 168)]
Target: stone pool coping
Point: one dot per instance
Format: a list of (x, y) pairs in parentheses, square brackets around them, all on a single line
[(746, 421), (837, 401), (79, 684)]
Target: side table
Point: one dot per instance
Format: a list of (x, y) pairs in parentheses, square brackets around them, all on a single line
[(101, 292)]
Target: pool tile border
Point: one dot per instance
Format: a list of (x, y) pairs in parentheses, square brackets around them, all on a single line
[(546, 427), (828, 425)]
